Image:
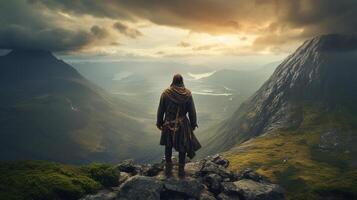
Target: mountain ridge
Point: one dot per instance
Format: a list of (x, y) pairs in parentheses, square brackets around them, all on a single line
[(50, 112), (308, 75)]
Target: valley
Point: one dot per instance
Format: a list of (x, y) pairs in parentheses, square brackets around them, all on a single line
[(217, 93)]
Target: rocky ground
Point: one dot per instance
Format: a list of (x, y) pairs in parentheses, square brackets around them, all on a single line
[(207, 179)]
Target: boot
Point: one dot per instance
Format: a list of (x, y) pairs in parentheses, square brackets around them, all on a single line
[(168, 169), (181, 171)]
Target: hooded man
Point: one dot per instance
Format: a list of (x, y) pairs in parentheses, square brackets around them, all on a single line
[(176, 103)]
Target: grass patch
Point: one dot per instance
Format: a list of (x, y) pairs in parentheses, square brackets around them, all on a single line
[(42, 180), (294, 158)]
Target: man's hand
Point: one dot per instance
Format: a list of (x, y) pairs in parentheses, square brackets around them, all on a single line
[(159, 127)]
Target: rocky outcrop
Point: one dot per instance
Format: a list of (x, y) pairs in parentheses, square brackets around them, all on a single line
[(207, 179)]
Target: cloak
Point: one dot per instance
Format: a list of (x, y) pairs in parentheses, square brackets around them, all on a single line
[(177, 109)]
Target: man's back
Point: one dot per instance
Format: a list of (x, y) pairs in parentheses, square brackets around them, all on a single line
[(176, 128)]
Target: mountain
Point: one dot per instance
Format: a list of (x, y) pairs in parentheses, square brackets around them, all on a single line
[(321, 72), (300, 127), (48, 111)]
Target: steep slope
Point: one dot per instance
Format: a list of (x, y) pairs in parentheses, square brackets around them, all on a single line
[(300, 127), (236, 86), (49, 111), (322, 72)]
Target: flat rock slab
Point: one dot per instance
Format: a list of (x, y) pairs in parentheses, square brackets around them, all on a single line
[(141, 187), (213, 168), (187, 187), (252, 190)]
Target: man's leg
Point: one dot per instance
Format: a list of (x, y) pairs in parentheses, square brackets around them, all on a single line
[(182, 158), (168, 154), (168, 161)]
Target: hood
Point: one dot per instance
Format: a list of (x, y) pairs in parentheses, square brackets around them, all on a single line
[(177, 94)]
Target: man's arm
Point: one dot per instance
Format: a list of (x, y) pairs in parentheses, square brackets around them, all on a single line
[(192, 113), (160, 113)]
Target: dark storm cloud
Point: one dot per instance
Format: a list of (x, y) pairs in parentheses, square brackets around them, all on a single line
[(19, 37), (125, 30), (23, 26), (99, 31), (217, 13), (272, 20)]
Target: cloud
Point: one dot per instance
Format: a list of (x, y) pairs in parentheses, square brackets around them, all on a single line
[(274, 22), (184, 44), (204, 47), (55, 39), (99, 32), (125, 30), (35, 28), (115, 44)]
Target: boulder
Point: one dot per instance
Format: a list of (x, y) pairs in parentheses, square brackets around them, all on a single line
[(224, 196), (252, 175), (252, 190), (192, 168), (123, 176), (210, 167), (128, 166), (213, 182), (140, 187), (153, 170), (219, 160), (229, 188), (189, 188), (206, 195)]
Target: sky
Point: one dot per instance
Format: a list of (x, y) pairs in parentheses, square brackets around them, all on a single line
[(198, 31)]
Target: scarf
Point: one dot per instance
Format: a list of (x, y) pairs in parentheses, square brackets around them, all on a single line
[(178, 94)]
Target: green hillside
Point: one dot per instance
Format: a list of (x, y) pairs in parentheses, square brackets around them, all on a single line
[(318, 159)]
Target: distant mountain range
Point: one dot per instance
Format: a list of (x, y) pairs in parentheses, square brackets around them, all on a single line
[(300, 127), (49, 111)]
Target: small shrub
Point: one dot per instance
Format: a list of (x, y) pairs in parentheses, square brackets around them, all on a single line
[(41, 180), (105, 174)]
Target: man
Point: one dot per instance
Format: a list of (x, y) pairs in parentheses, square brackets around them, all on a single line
[(176, 129)]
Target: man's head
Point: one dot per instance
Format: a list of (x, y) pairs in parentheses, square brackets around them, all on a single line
[(177, 81)]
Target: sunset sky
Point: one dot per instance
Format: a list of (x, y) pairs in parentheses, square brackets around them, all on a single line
[(171, 28)]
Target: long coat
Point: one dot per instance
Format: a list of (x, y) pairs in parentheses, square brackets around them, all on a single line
[(175, 104)]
